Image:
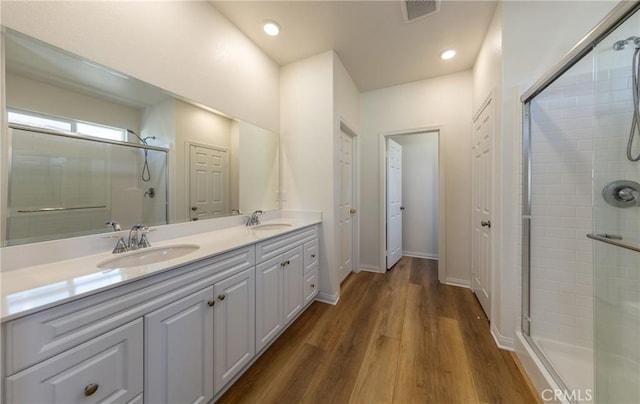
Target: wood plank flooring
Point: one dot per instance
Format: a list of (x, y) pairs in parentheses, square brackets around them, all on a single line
[(399, 337)]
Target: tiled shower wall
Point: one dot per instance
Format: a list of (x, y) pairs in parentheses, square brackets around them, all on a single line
[(562, 144)]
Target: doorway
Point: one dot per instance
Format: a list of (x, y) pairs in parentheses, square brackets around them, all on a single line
[(208, 182), (482, 194), (347, 203), (412, 195)]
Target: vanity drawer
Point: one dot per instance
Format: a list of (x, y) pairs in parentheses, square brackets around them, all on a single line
[(44, 334), (310, 286), (310, 255), (106, 368), (278, 245)]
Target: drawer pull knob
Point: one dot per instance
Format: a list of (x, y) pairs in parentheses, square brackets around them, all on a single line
[(288, 262), (222, 296), (211, 302), (90, 389), (313, 255), (313, 285), (283, 264)]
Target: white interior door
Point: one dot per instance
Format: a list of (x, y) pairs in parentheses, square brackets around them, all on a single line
[(208, 182), (394, 203), (482, 191), (347, 209)]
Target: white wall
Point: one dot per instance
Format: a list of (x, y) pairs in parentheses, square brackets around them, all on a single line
[(185, 47), (36, 96), (307, 141), (316, 94), (419, 194), (444, 102), (528, 52)]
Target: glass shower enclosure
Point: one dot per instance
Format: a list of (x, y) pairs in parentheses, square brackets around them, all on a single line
[(581, 216)]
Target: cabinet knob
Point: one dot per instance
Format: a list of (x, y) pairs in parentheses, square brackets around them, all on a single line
[(313, 255), (313, 285), (288, 262), (222, 296), (283, 264), (90, 389), (211, 302)]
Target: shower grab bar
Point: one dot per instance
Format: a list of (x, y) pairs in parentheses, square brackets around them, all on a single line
[(613, 241), (56, 209)]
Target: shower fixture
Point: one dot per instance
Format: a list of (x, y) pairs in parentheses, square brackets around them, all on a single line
[(146, 174), (622, 194), (635, 90)]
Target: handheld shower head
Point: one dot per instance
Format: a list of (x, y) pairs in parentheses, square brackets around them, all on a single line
[(623, 43)]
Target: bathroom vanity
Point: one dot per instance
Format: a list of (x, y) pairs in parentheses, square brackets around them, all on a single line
[(180, 330)]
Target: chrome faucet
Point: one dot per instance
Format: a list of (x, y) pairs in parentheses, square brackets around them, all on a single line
[(138, 237), (254, 218)]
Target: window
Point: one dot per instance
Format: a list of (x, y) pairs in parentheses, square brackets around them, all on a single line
[(26, 118), (68, 125)]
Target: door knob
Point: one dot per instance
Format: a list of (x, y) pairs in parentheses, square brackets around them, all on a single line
[(194, 208), (401, 207), (487, 223), (352, 211)]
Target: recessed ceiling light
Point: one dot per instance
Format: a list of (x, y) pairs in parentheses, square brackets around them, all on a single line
[(271, 28), (448, 54)]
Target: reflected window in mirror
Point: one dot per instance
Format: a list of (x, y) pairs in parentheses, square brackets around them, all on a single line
[(45, 121)]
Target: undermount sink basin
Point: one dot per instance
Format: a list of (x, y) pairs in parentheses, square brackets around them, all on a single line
[(271, 226), (148, 256)]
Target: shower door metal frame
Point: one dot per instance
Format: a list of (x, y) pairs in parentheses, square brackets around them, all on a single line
[(615, 18)]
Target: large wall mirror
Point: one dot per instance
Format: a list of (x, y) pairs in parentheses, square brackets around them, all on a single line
[(88, 145)]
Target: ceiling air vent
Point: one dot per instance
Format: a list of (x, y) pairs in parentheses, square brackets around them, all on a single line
[(416, 9)]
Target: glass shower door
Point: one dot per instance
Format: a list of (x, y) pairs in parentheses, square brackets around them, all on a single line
[(616, 222)]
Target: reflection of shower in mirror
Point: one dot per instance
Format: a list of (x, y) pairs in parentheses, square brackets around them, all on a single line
[(146, 174)]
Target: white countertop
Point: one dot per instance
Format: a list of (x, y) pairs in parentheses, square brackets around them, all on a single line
[(27, 290)]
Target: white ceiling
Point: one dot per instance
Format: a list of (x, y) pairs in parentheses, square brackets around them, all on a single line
[(376, 45)]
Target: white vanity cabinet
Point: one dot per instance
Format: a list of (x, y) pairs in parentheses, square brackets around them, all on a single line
[(234, 326), (179, 350), (180, 336), (108, 368), (280, 283)]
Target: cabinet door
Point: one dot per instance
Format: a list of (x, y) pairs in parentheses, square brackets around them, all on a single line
[(107, 368), (269, 313), (234, 326), (292, 288), (179, 351), (310, 286), (310, 255)]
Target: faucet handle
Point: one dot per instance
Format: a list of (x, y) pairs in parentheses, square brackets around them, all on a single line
[(144, 241), (120, 247)]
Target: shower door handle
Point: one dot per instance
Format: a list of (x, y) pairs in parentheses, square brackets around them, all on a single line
[(486, 224), (606, 238)]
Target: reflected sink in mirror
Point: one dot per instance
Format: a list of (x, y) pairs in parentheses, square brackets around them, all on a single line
[(148, 256), (270, 226)]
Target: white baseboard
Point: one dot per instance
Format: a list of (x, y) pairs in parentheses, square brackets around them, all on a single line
[(371, 268), (327, 298), (508, 344), (463, 283), (415, 254)]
